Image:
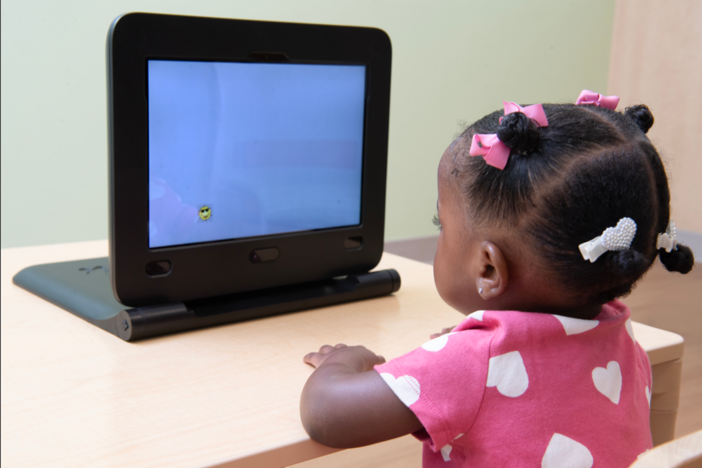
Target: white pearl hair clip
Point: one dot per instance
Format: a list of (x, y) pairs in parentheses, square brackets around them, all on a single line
[(613, 238), (668, 240)]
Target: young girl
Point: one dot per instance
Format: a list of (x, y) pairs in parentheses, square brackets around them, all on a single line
[(548, 214)]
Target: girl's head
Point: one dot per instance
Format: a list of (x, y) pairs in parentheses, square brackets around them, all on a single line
[(563, 185)]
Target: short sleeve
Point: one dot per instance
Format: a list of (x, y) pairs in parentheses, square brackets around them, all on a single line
[(443, 382)]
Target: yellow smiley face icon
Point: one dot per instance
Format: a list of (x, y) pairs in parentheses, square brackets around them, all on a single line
[(205, 213)]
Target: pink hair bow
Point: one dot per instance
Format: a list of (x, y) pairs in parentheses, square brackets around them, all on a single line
[(534, 112), (491, 148), (590, 98)]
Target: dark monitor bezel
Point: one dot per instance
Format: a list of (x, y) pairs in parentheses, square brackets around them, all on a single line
[(225, 267)]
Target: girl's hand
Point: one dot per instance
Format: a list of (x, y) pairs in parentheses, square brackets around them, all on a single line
[(443, 332), (346, 403), (359, 358)]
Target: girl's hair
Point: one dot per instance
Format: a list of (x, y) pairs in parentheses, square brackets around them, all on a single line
[(564, 184)]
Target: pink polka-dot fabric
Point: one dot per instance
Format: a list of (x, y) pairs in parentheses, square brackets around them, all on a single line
[(511, 389)]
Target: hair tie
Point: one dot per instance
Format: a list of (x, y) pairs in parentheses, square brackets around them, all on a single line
[(591, 98), (495, 152), (668, 240), (613, 238)]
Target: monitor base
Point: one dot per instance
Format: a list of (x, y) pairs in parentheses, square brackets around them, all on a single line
[(82, 287)]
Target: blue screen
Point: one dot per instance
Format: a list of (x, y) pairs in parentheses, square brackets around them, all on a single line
[(250, 149)]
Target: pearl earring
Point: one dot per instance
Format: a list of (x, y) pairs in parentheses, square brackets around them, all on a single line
[(480, 290)]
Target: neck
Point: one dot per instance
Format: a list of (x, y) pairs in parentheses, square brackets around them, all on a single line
[(584, 312), (545, 302), (588, 312)]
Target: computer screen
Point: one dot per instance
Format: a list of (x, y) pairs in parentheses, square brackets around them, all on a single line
[(244, 149)]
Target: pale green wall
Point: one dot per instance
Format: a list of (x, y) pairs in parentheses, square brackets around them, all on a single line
[(452, 60)]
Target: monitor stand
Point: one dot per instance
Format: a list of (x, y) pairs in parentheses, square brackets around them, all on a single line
[(83, 288)]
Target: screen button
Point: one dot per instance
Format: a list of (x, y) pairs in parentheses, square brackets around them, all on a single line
[(264, 255), (158, 268), (353, 243)]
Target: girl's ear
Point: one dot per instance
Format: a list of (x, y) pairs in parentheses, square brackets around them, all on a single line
[(492, 273)]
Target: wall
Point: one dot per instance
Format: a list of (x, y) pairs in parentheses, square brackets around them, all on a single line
[(453, 61), (656, 59)]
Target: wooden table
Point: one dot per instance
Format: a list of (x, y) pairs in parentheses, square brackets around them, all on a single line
[(74, 395)]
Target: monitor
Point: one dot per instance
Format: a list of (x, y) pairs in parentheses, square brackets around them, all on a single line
[(243, 155)]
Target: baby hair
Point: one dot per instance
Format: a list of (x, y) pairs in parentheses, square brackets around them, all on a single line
[(567, 182)]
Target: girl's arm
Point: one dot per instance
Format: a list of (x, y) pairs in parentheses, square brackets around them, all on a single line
[(345, 403)]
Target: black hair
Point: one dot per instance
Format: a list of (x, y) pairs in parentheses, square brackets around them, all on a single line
[(565, 183)]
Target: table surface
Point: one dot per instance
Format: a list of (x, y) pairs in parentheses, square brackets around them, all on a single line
[(74, 395)]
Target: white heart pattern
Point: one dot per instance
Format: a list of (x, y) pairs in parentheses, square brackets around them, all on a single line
[(405, 387), (648, 396), (564, 452), (445, 452), (609, 381), (477, 315), (508, 374), (574, 326), (438, 343)]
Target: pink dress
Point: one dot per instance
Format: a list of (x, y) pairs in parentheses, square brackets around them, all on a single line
[(512, 389)]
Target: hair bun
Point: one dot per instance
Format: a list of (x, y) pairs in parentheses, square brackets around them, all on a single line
[(681, 259), (519, 133), (641, 115), (627, 262)]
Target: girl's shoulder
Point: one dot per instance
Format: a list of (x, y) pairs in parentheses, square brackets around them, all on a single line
[(541, 331), (612, 314)]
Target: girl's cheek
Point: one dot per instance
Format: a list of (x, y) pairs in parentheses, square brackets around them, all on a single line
[(443, 282)]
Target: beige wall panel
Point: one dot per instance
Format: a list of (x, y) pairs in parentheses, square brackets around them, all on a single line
[(656, 59)]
